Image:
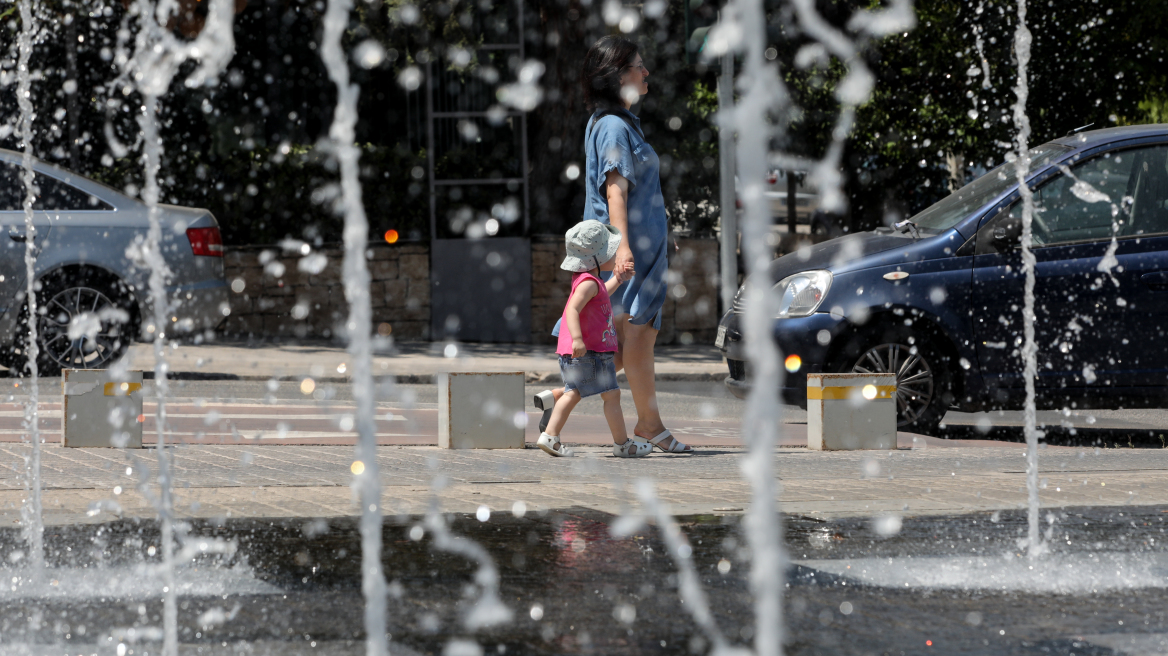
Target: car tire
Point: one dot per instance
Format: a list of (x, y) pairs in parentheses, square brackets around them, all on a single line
[(923, 390), (65, 295)]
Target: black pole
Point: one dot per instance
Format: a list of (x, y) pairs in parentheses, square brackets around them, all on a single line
[(791, 217), (71, 96)]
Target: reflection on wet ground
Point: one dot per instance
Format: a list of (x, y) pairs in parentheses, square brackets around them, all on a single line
[(293, 587)]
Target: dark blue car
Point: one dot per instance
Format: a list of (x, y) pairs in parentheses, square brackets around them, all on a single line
[(939, 301)]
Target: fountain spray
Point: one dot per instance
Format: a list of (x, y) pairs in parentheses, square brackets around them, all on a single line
[(31, 511), (366, 481), (159, 274), (764, 95), (488, 610), (761, 91), (1022, 41), (689, 582), (155, 61)]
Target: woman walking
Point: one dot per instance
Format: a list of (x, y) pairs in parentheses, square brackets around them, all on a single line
[(623, 188)]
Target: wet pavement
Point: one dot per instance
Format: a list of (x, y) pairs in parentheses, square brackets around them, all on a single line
[(574, 589), (909, 551), (931, 531)]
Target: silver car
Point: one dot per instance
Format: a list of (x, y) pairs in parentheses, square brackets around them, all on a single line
[(90, 273)]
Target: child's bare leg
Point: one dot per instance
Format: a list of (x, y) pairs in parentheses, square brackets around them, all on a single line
[(564, 405), (614, 415)]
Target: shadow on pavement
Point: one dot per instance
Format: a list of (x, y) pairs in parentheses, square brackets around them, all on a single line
[(1109, 438)]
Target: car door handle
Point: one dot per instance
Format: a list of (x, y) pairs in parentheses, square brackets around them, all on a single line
[(1157, 280)]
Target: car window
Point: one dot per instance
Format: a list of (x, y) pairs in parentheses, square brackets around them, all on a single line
[(52, 193), (1148, 192), (1122, 192), (11, 189), (948, 211)]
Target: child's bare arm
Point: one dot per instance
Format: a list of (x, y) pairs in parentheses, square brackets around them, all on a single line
[(584, 293)]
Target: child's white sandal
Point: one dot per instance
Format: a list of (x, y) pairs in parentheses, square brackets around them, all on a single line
[(632, 448), (551, 445)]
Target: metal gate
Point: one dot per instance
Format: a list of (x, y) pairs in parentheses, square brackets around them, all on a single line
[(480, 255)]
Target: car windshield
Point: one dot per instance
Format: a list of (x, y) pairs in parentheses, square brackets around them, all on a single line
[(945, 213)]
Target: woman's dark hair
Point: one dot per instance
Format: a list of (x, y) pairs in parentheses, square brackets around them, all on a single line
[(603, 65)]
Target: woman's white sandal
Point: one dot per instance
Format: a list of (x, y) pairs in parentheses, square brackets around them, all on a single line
[(678, 446), (632, 448), (551, 445), (545, 401)]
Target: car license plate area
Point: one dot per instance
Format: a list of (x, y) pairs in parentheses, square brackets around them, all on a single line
[(720, 340)]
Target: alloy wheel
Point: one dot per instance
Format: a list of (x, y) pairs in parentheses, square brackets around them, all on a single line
[(94, 350), (914, 377)]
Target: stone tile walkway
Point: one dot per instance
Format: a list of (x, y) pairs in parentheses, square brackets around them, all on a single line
[(214, 481)]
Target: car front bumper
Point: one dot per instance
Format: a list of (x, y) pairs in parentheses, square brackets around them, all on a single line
[(809, 338)]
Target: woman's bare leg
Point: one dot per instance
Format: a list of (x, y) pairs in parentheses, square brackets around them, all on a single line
[(636, 358), (619, 322)]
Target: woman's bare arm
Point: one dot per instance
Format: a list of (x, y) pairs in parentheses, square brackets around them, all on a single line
[(616, 190)]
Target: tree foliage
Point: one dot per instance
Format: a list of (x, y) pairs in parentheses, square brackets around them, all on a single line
[(934, 116), (245, 147)]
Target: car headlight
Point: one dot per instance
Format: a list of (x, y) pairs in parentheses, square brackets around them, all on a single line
[(802, 293)]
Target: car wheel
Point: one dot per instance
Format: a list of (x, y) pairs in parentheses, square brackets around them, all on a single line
[(922, 384), (99, 311)]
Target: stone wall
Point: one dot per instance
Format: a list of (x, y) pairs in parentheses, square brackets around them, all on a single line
[(282, 294)]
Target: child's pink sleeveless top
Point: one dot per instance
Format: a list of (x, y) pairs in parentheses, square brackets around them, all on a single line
[(595, 320)]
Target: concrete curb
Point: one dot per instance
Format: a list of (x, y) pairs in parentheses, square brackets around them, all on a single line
[(425, 379), (621, 378)]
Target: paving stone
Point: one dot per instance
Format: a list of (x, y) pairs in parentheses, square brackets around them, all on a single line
[(314, 481)]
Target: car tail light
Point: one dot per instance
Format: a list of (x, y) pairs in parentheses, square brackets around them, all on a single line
[(206, 241)]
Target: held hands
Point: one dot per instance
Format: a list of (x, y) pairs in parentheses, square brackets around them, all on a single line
[(578, 349), (624, 275), (623, 261), (624, 268)]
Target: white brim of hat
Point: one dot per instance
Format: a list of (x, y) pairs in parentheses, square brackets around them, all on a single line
[(577, 265)]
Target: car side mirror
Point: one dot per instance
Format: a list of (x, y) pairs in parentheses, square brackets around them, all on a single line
[(1007, 233)]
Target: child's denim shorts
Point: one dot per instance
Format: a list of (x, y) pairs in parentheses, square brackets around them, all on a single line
[(594, 373)]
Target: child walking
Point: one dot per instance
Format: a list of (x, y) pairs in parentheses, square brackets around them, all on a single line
[(588, 341)]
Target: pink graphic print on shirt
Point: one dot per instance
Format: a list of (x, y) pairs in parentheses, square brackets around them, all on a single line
[(609, 334)]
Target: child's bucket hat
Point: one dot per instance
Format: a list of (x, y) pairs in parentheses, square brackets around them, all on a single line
[(589, 244)]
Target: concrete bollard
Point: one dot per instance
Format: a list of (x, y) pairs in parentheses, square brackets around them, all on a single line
[(481, 410), (851, 411), (102, 412)]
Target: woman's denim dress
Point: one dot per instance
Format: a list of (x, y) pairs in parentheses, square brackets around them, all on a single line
[(612, 144)]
